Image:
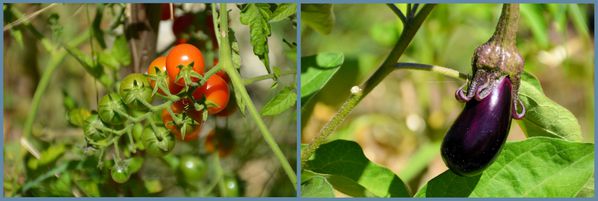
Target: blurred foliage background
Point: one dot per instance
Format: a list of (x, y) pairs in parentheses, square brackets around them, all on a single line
[(401, 123), (25, 59)]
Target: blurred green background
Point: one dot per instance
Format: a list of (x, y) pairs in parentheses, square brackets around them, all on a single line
[(401, 123)]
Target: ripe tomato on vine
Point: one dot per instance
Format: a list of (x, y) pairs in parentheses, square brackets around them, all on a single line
[(184, 58)]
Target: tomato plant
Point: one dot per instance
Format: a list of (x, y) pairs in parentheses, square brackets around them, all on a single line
[(110, 106)]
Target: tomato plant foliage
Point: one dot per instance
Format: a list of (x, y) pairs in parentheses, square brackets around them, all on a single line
[(133, 127)]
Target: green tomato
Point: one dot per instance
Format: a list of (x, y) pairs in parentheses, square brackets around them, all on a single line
[(133, 88), (91, 129), (157, 142), (135, 164), (120, 173), (231, 186), (193, 168), (108, 106)]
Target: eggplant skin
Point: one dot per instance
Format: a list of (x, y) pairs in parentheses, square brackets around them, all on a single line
[(475, 139)]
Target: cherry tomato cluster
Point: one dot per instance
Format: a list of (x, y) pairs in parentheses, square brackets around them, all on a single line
[(179, 73), (190, 95)]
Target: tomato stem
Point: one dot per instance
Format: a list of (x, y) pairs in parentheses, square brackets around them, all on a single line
[(240, 91)]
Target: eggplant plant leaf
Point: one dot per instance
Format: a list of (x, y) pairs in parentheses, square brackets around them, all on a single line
[(536, 167), (348, 170), (316, 71), (544, 117), (316, 186)]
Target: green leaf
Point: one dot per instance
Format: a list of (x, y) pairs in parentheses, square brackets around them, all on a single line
[(588, 190), (283, 11), (316, 186), (256, 16), (281, 102), (318, 16), (120, 51), (345, 161), (536, 167), (317, 70), (545, 117)]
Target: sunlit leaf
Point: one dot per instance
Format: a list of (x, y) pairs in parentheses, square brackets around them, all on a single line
[(536, 167), (545, 117), (345, 161)]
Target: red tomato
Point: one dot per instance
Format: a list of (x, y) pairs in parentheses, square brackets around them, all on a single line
[(184, 55), (192, 132), (229, 109), (160, 65), (185, 105), (215, 91)]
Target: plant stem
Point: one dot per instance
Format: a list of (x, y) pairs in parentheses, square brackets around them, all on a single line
[(398, 12), (506, 29), (386, 68), (241, 92), (437, 69)]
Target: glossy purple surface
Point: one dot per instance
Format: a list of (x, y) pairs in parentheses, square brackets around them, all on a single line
[(477, 136)]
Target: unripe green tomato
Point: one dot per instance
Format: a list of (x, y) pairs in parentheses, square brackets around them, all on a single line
[(78, 116), (135, 87), (135, 164), (231, 186), (120, 173), (192, 167), (137, 131), (108, 106), (91, 131), (159, 142)]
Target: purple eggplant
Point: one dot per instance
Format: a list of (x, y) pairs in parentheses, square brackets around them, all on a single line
[(477, 136)]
